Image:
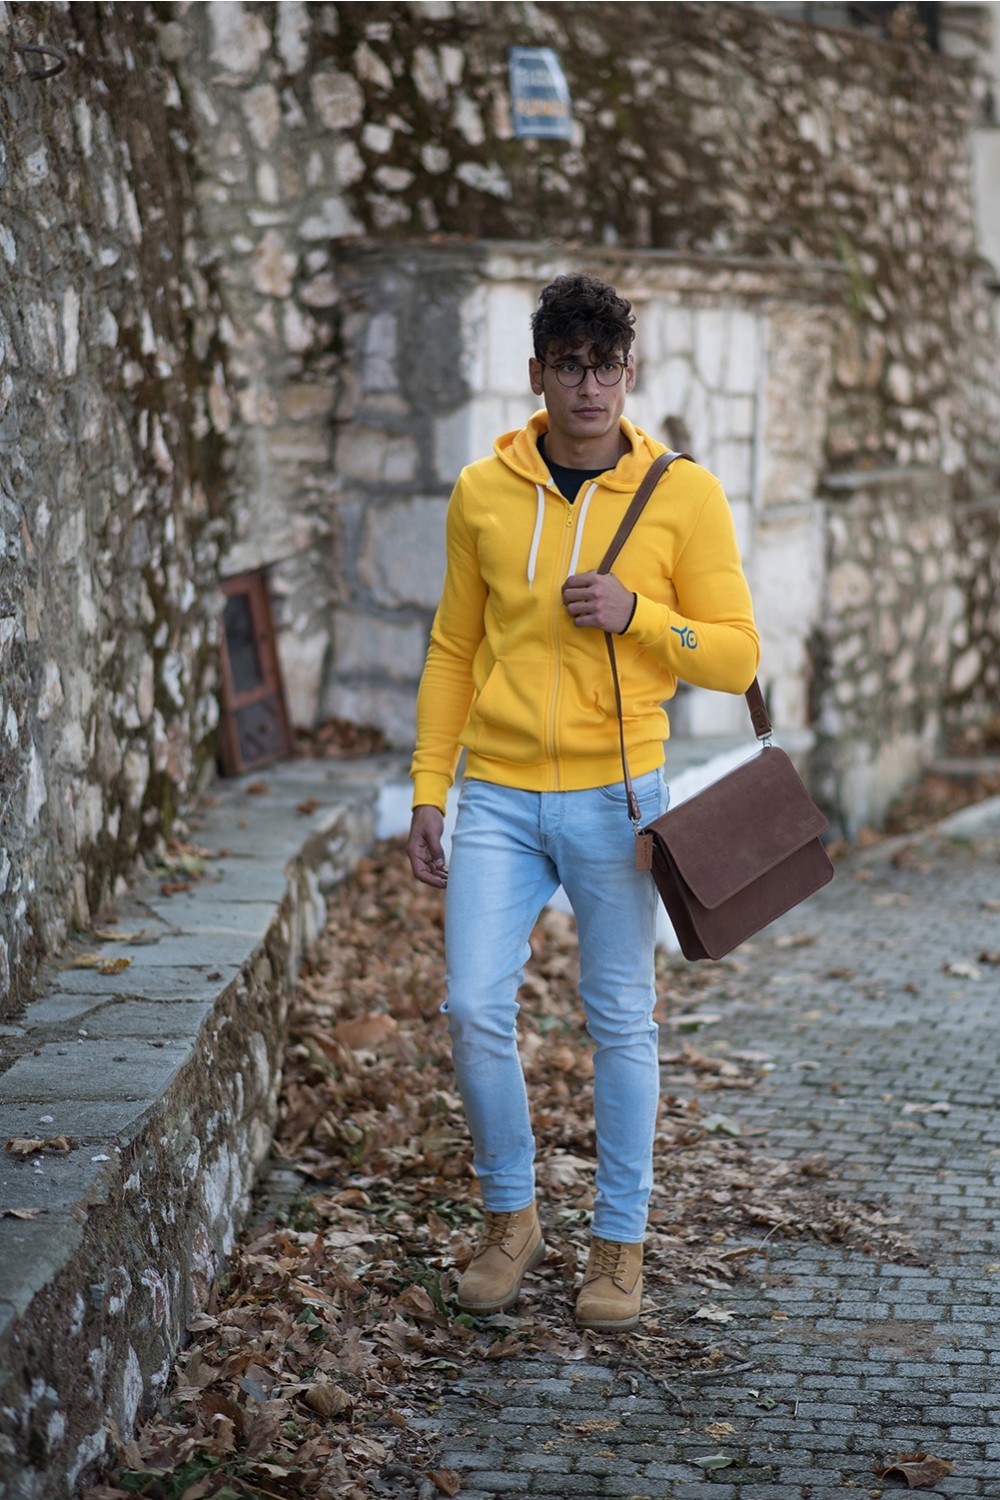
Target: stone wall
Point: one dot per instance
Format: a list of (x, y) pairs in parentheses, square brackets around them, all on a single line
[(111, 505), (891, 608), (702, 131)]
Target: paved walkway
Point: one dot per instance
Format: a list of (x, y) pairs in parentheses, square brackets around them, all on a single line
[(882, 1028)]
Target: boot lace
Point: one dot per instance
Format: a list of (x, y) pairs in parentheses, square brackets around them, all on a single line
[(607, 1257), (495, 1231)]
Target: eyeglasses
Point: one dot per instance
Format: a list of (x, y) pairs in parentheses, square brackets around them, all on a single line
[(572, 372)]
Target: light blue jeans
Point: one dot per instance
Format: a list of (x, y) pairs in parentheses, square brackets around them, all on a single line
[(510, 852)]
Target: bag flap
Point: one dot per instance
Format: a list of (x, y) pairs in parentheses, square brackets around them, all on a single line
[(725, 837)]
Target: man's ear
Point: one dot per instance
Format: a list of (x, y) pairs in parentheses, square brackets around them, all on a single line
[(630, 373), (535, 375)]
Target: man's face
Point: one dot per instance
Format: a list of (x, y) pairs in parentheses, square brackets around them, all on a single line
[(589, 410)]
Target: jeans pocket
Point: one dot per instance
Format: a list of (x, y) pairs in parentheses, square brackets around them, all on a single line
[(649, 789)]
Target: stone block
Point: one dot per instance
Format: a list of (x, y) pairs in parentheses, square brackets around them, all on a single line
[(488, 419), (403, 556), (303, 661), (743, 344), (240, 40), (380, 353), (678, 330), (338, 99), (850, 587), (452, 444), (306, 403), (787, 581), (391, 709), (262, 111), (517, 411), (732, 458), (797, 379), (272, 266), (333, 221), (368, 454), (365, 645), (473, 318), (869, 779), (508, 339), (711, 338), (676, 381)]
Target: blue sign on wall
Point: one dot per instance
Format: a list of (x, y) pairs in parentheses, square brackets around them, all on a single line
[(539, 94)]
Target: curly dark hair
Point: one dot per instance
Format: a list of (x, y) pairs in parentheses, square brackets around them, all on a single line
[(579, 309)]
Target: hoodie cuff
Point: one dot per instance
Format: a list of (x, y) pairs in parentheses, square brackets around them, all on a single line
[(649, 620), (430, 790), (635, 601)]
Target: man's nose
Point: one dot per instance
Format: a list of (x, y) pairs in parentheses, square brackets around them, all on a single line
[(590, 382)]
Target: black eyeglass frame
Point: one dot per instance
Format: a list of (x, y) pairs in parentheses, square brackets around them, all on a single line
[(621, 365)]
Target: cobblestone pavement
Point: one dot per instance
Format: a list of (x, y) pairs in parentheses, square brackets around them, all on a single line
[(882, 1036)]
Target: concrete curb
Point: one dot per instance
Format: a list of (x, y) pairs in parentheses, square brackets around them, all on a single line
[(165, 1076)]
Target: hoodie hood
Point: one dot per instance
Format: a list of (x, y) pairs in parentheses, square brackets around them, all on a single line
[(518, 450)]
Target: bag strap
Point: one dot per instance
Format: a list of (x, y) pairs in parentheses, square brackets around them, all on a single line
[(759, 717), (652, 477)]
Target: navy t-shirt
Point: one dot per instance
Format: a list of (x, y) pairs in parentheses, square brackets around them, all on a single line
[(568, 481)]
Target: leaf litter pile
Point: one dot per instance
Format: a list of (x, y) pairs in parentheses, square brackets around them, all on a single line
[(336, 1323)]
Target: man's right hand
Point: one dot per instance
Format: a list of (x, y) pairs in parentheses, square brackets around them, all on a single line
[(424, 846)]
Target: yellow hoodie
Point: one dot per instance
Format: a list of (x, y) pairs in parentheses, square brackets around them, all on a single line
[(513, 680)]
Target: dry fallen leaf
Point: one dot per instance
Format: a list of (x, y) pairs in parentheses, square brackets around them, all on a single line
[(100, 962), (719, 1430), (30, 1145), (712, 1314), (328, 1399), (308, 806), (113, 966), (920, 1470), (24, 1146), (366, 1032), (22, 1213), (445, 1481)]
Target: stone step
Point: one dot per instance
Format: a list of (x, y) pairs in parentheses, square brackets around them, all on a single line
[(163, 1079)]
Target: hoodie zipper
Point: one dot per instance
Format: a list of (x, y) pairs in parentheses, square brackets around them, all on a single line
[(577, 512), (556, 595)]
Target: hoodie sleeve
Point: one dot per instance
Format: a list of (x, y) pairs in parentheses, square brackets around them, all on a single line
[(710, 638), (446, 685)]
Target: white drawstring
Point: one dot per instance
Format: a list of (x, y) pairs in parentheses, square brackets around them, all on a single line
[(579, 529), (537, 537)]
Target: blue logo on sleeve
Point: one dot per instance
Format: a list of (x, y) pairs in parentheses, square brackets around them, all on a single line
[(687, 635)]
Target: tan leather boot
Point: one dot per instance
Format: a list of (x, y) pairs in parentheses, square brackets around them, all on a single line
[(611, 1294), (509, 1245)]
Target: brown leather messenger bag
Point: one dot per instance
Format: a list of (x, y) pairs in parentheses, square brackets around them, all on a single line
[(745, 850)]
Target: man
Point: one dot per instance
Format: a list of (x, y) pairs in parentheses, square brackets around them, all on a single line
[(517, 673)]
